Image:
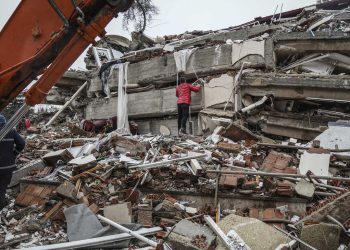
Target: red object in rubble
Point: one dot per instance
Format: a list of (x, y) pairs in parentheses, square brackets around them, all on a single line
[(27, 123)]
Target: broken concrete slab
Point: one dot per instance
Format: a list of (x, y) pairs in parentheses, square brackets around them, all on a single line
[(122, 144), (217, 91), (83, 163), (296, 86), (184, 233), (305, 189), (336, 136), (53, 157), (120, 213), (247, 48), (237, 132), (26, 170), (253, 232), (316, 161), (322, 236)]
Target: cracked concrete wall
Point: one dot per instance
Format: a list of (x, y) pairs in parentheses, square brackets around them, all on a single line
[(218, 91), (207, 61)]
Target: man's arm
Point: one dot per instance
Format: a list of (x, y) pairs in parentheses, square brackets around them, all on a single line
[(195, 88), (19, 142), (177, 91)]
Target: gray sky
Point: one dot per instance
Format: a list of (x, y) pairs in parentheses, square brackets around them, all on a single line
[(178, 16)]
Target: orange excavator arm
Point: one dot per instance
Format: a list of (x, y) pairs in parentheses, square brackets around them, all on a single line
[(44, 38)]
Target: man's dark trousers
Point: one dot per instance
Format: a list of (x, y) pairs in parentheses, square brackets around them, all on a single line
[(183, 114), (5, 179)]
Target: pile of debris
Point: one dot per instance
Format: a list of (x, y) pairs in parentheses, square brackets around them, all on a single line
[(170, 188)]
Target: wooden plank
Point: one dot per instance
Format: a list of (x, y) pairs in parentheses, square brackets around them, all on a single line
[(52, 211), (34, 195)]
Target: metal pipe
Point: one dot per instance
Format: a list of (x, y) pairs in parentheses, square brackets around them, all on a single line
[(162, 163), (281, 175), (217, 230), (65, 105), (254, 105), (59, 13), (15, 119), (126, 230), (217, 187), (96, 241), (316, 184), (272, 145), (293, 179)]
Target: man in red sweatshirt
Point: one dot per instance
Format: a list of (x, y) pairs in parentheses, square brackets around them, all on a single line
[(183, 94)]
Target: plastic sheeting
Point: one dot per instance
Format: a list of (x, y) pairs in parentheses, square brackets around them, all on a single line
[(181, 59), (83, 224), (122, 113)]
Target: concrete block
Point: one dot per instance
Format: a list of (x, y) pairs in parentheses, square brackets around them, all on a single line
[(67, 189), (120, 213), (255, 233), (321, 236), (196, 167), (305, 189), (185, 232), (53, 157)]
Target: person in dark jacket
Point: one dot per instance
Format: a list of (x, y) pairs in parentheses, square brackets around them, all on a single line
[(183, 94), (10, 147)]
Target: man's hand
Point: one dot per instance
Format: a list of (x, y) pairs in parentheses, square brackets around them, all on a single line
[(16, 152)]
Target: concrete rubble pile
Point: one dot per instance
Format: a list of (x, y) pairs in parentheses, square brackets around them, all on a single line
[(171, 188), (265, 165)]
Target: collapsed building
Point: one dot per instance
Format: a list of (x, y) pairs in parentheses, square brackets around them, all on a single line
[(278, 78), (293, 65)]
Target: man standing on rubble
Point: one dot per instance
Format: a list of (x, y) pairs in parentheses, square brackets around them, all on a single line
[(183, 94), (10, 147)]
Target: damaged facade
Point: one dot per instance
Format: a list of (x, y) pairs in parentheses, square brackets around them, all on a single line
[(298, 59), (265, 167)]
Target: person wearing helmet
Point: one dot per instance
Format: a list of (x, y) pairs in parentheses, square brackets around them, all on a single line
[(10, 146)]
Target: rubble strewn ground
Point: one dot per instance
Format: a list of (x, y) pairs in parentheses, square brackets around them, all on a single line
[(150, 180), (273, 174)]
